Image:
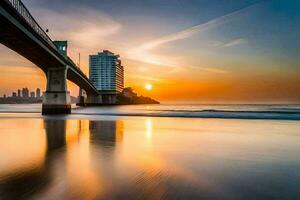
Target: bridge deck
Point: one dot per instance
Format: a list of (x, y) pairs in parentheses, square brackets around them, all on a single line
[(21, 33)]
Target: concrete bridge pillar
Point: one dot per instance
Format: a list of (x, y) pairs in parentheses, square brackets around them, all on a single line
[(81, 101), (56, 99), (81, 98), (93, 100)]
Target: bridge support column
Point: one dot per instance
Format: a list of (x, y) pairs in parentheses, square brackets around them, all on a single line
[(93, 100), (56, 99), (81, 101), (81, 98)]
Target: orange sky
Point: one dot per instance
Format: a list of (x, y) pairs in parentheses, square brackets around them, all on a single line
[(197, 87)]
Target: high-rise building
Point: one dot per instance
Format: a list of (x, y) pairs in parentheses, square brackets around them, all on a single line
[(38, 93), (32, 95), (107, 74), (106, 71), (19, 93), (14, 94), (25, 93)]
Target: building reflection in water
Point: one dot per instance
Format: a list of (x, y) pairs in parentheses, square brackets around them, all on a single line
[(87, 143), (110, 132)]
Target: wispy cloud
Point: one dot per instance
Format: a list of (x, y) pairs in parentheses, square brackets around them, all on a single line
[(148, 78), (145, 52), (22, 71), (181, 69), (213, 70), (83, 27), (235, 42), (192, 30), (152, 79)]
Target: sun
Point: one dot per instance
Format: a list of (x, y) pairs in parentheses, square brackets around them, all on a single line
[(148, 86)]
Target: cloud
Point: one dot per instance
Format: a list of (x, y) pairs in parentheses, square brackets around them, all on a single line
[(148, 78), (181, 69), (192, 30), (213, 70), (144, 52), (21, 71), (83, 27), (235, 42)]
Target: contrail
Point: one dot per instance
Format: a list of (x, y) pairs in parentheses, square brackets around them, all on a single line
[(195, 29)]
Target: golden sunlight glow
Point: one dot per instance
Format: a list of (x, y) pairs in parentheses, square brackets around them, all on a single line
[(148, 126), (148, 86), (23, 148), (79, 163)]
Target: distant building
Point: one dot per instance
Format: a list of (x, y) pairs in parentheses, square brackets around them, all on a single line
[(21, 96), (38, 93), (107, 74), (25, 93)]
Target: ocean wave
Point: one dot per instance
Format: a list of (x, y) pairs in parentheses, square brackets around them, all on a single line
[(281, 111), (271, 112), (275, 115)]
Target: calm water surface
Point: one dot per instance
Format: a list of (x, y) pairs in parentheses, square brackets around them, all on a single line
[(106, 157)]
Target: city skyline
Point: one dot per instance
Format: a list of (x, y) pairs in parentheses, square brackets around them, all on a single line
[(196, 51), (24, 93)]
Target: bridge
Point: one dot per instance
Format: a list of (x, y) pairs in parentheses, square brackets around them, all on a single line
[(20, 32)]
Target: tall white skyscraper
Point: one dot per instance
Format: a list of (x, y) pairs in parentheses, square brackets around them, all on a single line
[(107, 74)]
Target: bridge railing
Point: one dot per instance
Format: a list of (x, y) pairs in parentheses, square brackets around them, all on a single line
[(22, 10)]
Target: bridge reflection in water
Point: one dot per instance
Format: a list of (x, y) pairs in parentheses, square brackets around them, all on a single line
[(30, 155)]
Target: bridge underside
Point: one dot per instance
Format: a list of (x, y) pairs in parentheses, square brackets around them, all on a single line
[(15, 39), (18, 35)]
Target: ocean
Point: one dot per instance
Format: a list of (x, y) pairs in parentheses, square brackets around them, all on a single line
[(232, 111), (151, 152)]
